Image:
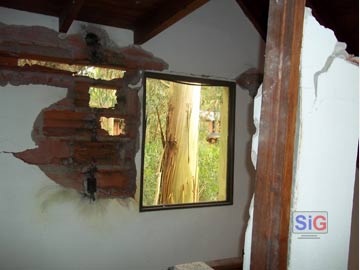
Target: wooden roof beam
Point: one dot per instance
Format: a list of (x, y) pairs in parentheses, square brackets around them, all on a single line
[(160, 19), (69, 14)]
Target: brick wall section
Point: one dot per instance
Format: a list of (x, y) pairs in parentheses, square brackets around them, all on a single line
[(70, 142), (72, 148)]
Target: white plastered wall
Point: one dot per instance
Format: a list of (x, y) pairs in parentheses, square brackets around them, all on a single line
[(45, 228), (325, 155), (327, 147)]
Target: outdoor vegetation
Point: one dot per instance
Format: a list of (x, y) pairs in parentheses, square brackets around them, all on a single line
[(99, 97), (78, 70), (186, 135), (185, 143)]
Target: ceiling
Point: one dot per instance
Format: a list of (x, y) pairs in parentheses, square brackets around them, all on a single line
[(147, 18)]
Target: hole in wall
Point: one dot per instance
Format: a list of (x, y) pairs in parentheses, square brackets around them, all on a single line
[(102, 98), (92, 72), (113, 126), (72, 149)]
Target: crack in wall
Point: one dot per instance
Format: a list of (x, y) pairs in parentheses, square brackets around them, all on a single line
[(339, 52)]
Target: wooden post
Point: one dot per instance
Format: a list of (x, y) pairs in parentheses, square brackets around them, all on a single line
[(277, 132)]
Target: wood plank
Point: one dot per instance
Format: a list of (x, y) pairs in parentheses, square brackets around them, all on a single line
[(69, 14), (277, 132), (158, 20)]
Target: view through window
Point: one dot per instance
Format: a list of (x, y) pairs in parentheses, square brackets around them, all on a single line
[(187, 142)]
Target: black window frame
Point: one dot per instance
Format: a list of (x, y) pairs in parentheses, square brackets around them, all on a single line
[(230, 147)]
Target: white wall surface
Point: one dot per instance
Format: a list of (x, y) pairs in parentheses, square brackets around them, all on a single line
[(327, 147), (217, 40), (353, 263), (44, 227), (324, 169)]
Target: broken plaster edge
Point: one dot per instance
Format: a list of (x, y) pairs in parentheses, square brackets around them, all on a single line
[(338, 54), (338, 51), (74, 46)]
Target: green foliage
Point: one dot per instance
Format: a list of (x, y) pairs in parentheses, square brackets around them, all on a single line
[(157, 97), (88, 71), (209, 154), (100, 73), (152, 161), (208, 159), (211, 98), (157, 103), (102, 98)]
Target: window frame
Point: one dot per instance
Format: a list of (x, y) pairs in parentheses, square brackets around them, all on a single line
[(230, 144)]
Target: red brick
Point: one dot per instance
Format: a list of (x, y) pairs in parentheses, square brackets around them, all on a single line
[(112, 179), (98, 152), (47, 152)]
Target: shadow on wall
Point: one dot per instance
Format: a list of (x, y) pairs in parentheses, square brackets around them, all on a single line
[(51, 195), (250, 81), (250, 171)]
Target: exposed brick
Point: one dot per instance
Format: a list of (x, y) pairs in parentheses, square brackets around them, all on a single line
[(68, 133), (82, 133), (47, 152), (115, 184), (96, 152), (44, 43), (75, 128), (133, 103), (81, 94), (68, 115), (112, 179)]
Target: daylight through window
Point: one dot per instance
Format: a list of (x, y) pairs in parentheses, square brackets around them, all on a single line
[(187, 142)]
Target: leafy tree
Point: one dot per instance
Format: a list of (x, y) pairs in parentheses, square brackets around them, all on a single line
[(210, 169)]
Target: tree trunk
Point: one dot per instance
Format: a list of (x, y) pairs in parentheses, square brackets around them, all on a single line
[(178, 169)]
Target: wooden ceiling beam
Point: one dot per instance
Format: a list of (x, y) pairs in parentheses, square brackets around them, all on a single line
[(69, 14), (273, 185), (161, 18)]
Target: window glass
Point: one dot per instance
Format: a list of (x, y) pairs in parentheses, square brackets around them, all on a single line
[(187, 145)]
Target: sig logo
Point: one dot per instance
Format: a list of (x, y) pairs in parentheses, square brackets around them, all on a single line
[(308, 223)]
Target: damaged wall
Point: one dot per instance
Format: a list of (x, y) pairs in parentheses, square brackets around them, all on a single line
[(45, 227), (325, 157), (73, 149), (328, 135)]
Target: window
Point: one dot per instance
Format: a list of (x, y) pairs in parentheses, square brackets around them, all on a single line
[(188, 142)]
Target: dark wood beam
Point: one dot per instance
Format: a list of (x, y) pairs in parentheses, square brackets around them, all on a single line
[(161, 18), (69, 14), (277, 135)]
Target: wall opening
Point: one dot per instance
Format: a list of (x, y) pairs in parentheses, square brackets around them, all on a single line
[(93, 72), (102, 98), (113, 126), (86, 141)]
